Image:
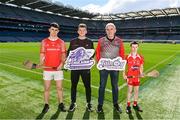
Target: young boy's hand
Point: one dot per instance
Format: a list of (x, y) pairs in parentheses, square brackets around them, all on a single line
[(142, 75), (125, 77)]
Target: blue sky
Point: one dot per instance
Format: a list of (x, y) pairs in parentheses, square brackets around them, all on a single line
[(119, 6)]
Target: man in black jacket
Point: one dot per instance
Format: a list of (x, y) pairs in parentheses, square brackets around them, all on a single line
[(81, 41)]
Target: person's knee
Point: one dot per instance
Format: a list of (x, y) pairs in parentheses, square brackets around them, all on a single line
[(87, 86), (47, 89), (130, 91), (136, 91), (115, 85), (59, 88), (102, 88), (73, 86)]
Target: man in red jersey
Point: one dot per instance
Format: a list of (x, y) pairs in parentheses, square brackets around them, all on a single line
[(52, 56), (109, 47), (134, 72)]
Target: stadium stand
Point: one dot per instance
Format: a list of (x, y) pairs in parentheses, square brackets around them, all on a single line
[(28, 20)]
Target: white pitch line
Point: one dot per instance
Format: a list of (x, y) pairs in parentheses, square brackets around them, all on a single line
[(160, 62), (93, 86), (125, 84)]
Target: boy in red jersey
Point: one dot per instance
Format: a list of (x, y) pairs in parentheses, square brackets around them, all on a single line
[(134, 72), (52, 55)]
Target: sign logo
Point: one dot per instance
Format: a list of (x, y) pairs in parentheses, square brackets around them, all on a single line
[(79, 59), (111, 64)]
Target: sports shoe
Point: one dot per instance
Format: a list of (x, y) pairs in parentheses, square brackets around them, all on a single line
[(138, 108), (61, 107), (99, 109), (89, 107), (72, 107), (128, 110), (117, 108), (45, 109)]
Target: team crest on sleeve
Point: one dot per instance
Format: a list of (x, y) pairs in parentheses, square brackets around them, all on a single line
[(111, 64), (79, 59)]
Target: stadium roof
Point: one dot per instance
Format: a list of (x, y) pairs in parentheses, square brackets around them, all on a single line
[(68, 11), (141, 14), (50, 7)]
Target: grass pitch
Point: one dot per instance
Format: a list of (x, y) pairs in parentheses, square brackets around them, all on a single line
[(21, 90)]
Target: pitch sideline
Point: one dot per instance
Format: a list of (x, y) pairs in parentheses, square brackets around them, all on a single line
[(93, 86), (123, 85)]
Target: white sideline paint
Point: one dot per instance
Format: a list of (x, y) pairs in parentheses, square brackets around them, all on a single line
[(123, 85), (39, 73), (108, 90)]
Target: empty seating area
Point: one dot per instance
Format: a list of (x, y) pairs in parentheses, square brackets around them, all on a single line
[(19, 24)]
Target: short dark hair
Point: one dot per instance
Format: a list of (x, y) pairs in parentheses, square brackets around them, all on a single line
[(134, 43), (82, 25), (54, 24)]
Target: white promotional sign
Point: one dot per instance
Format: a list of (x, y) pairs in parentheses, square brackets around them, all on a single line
[(79, 59), (111, 64)]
